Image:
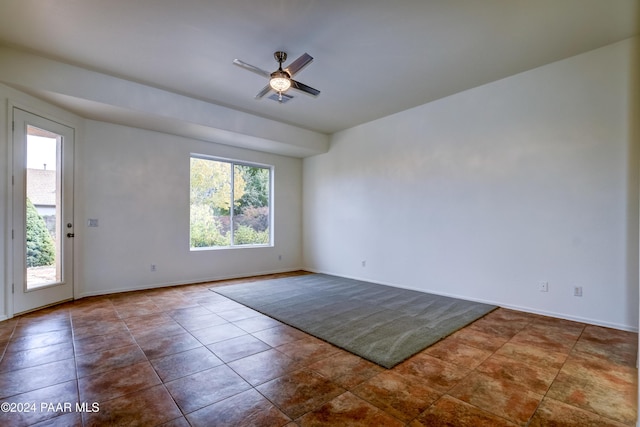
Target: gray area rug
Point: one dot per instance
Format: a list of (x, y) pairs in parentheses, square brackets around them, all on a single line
[(383, 324)]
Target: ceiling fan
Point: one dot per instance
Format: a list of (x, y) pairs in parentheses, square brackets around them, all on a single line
[(281, 80)]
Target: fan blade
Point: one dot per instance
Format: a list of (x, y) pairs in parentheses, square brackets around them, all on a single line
[(265, 90), (252, 68), (297, 65), (304, 88)]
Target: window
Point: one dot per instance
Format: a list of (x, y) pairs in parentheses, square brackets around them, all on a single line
[(230, 203)]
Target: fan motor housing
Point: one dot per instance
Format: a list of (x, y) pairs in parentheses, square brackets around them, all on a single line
[(280, 56)]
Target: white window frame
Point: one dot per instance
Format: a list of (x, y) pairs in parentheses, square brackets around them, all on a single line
[(233, 163)]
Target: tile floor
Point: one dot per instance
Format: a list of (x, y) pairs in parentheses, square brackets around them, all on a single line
[(186, 356)]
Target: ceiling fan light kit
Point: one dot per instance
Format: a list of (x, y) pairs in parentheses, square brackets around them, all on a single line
[(281, 80)]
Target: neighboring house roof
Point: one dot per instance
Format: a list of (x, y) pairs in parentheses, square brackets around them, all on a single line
[(41, 187)]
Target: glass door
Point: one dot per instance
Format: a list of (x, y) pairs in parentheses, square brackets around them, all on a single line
[(42, 212)]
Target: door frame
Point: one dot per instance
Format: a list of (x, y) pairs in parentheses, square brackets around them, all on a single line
[(9, 247)]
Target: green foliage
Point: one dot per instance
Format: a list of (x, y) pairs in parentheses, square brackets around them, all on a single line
[(206, 230), (252, 213), (248, 236), (40, 248), (256, 190)]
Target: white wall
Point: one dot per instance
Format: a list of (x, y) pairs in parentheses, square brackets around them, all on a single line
[(480, 195), (486, 193), (136, 183)]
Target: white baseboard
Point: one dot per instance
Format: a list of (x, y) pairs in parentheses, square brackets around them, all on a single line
[(181, 283)]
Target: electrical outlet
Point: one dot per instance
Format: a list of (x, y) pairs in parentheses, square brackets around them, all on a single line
[(543, 286), (154, 267), (279, 257), (577, 291), (364, 263)]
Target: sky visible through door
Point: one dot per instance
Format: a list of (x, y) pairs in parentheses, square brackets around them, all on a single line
[(42, 208)]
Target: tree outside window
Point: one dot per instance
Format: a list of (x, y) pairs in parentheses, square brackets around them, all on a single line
[(229, 203)]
